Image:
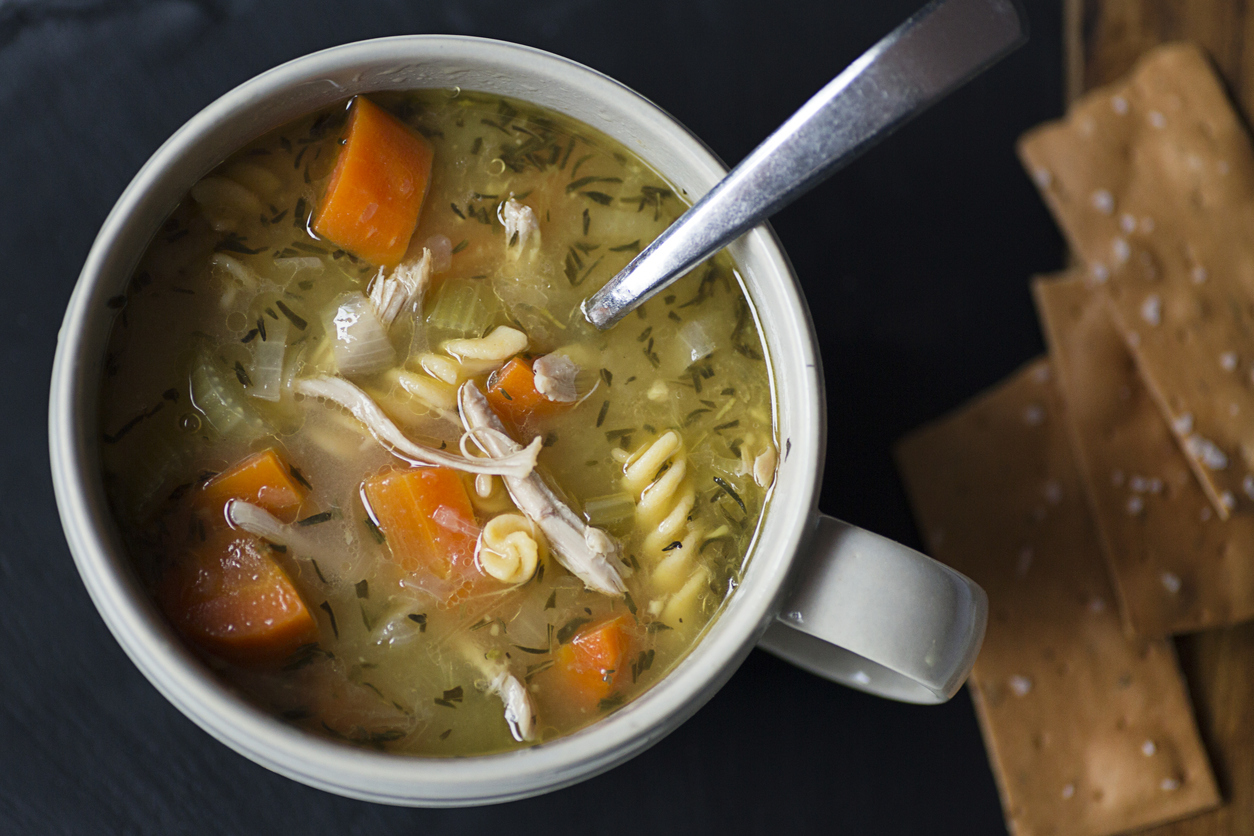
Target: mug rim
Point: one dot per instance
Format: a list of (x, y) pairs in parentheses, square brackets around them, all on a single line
[(405, 779)]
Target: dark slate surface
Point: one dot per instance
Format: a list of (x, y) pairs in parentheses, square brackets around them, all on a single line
[(916, 259)]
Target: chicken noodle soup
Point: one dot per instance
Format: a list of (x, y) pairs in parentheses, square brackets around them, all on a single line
[(377, 469)]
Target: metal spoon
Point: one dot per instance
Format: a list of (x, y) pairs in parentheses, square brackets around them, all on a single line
[(941, 47)]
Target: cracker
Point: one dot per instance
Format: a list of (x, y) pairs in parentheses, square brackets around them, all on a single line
[(1176, 567), (1089, 732), (1152, 181)]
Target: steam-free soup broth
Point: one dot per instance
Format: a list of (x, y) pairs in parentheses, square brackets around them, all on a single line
[(374, 465)]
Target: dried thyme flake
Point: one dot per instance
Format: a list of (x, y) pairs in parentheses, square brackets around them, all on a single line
[(605, 408), (131, 424), (250, 336), (318, 570), (463, 244), (233, 243), (300, 477), (296, 320), (611, 702), (576, 185), (729, 425), (419, 618), (316, 519), (599, 197), (694, 415), (325, 606), (588, 272), (570, 628), (607, 376), (730, 491), (657, 627), (575, 170), (242, 375), (587, 222), (456, 211), (538, 667), (362, 588), (629, 247), (552, 602), (674, 544)]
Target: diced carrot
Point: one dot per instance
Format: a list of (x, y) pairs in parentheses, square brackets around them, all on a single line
[(263, 479), (590, 666), (513, 396), (426, 517), (377, 188), (229, 597)]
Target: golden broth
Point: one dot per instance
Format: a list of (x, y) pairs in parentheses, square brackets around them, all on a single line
[(191, 363)]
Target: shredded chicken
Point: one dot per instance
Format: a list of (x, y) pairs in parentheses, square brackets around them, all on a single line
[(590, 554), (521, 226), (519, 712), (398, 292), (555, 377), (518, 463)]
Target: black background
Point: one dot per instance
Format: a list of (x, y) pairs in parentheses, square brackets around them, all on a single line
[(915, 261)]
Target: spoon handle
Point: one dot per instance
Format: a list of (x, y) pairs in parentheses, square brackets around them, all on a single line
[(945, 44)]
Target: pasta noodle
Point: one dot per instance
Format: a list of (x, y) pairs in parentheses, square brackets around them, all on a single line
[(657, 476)]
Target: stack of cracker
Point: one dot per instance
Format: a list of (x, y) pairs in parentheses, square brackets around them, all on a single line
[(1104, 496)]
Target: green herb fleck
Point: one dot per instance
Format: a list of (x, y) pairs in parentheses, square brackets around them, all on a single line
[(325, 606)]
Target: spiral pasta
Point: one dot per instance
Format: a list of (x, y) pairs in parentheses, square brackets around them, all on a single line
[(656, 475), (509, 548)]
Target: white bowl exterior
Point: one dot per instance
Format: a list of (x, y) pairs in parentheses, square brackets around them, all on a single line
[(267, 102)]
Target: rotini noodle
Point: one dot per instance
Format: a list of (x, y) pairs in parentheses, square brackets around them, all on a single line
[(509, 548), (656, 475)]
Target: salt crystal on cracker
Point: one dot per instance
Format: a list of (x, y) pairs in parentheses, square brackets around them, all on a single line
[(1155, 522), (1067, 752), (1189, 164)]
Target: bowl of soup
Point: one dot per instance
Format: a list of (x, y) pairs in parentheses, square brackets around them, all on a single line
[(357, 487)]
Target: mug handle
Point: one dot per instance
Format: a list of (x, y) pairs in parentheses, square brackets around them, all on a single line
[(872, 614)]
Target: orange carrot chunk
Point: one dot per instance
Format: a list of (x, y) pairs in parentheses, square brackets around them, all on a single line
[(375, 195), (590, 666), (263, 479), (230, 598), (426, 517), (513, 396)]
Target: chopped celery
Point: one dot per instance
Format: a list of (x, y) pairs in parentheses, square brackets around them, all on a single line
[(461, 308), (219, 395), (604, 510), (267, 366)]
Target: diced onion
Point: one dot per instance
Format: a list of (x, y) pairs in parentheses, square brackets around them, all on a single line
[(697, 340), (361, 343), (441, 252)]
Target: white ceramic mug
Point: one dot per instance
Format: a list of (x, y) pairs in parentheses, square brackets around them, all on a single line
[(839, 601)]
